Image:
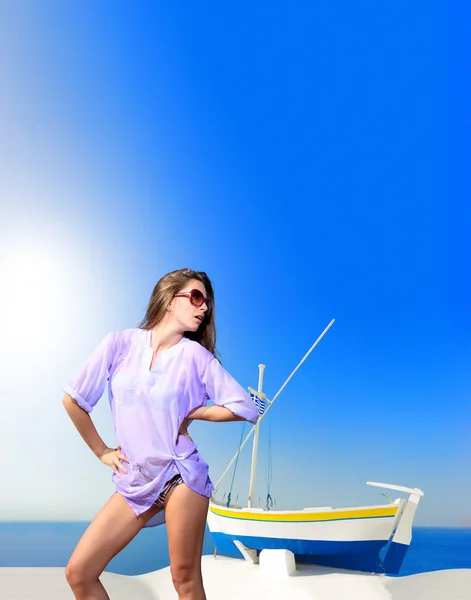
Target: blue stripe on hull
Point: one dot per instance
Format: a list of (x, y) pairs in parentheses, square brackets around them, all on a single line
[(359, 556), (394, 556)]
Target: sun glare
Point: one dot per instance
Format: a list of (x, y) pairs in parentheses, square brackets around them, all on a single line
[(33, 275)]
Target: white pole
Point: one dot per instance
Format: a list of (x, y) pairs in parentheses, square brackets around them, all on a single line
[(271, 404), (261, 369)]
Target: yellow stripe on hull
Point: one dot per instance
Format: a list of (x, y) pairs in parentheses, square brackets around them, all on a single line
[(334, 515)]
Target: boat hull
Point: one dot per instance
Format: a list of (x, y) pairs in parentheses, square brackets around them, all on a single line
[(357, 555), (348, 538)]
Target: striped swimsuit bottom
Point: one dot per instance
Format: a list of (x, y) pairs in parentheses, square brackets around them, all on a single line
[(171, 483)]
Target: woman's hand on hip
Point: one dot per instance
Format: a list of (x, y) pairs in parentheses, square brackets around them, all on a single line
[(111, 458)]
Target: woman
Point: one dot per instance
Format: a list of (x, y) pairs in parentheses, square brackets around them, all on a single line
[(161, 376)]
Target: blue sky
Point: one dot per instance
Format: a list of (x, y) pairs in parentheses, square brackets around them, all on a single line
[(312, 160)]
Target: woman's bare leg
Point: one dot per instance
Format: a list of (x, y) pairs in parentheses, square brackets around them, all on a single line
[(110, 531), (185, 514)]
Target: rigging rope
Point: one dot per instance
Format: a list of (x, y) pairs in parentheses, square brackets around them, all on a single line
[(270, 501), (235, 467)]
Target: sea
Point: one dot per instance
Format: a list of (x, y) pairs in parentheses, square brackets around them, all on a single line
[(50, 544)]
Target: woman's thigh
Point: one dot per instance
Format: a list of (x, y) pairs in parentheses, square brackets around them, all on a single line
[(110, 531), (185, 514)]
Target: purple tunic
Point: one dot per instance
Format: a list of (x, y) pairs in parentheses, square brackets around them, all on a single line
[(148, 408)]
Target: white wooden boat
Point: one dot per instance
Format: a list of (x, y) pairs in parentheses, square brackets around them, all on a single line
[(366, 538)]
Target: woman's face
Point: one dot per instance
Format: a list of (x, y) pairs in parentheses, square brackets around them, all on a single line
[(188, 316)]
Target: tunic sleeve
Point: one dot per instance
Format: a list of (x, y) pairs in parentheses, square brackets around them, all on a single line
[(88, 385), (224, 390)]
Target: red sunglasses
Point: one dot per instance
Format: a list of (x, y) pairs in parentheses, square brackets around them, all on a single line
[(196, 298)]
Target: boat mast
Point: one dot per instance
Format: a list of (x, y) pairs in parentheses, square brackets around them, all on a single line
[(261, 369)]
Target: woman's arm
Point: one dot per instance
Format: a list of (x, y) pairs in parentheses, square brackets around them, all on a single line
[(213, 413), (82, 421), (84, 424), (207, 413)]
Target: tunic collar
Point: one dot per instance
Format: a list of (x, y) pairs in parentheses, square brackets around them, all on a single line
[(145, 341)]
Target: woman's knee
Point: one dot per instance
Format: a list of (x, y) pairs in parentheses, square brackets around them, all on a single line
[(77, 575), (185, 578)]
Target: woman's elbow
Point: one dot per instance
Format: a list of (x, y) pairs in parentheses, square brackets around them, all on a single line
[(237, 418)]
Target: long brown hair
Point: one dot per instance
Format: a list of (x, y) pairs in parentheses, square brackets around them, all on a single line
[(163, 293)]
